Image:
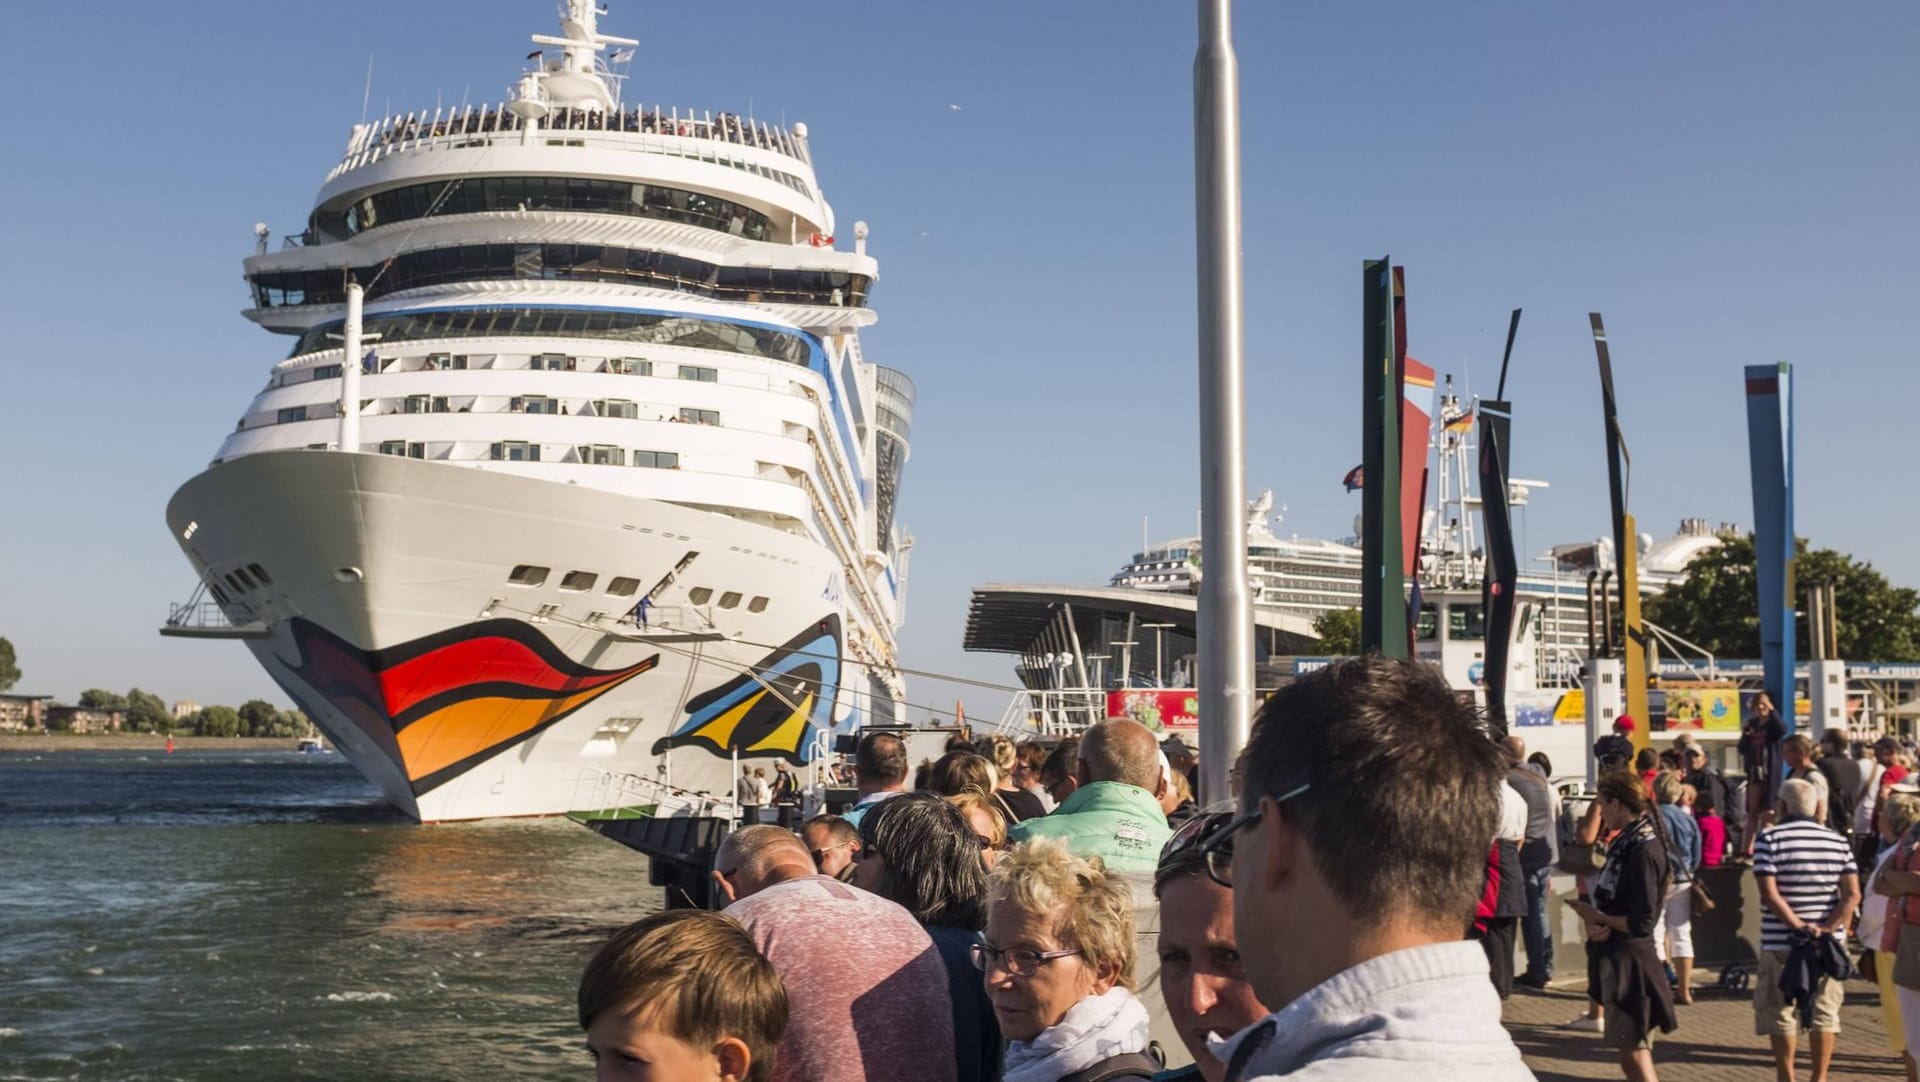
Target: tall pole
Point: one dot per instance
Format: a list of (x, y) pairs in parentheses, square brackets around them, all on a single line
[(1770, 455), (350, 372), (1225, 619)]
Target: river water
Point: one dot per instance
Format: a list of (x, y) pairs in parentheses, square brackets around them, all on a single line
[(215, 915)]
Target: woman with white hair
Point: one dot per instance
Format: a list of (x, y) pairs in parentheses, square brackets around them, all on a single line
[(1058, 959)]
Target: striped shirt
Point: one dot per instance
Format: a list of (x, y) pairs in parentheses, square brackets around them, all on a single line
[(1806, 861)]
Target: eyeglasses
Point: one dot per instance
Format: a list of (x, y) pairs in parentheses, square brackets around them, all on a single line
[(1018, 961), (821, 854), (1212, 834)]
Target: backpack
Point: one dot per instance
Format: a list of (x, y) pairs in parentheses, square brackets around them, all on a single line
[(1125, 1065)]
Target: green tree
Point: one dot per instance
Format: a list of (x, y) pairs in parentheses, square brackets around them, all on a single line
[(1339, 631), (9, 666), (285, 723), (216, 721), (257, 717), (147, 713), (98, 699), (1717, 606)]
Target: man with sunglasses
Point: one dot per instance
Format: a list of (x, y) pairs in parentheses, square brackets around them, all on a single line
[(1202, 978), (1371, 795)]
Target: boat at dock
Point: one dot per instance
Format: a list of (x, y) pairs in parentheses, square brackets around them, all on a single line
[(606, 502)]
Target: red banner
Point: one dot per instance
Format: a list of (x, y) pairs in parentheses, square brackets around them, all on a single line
[(1160, 709)]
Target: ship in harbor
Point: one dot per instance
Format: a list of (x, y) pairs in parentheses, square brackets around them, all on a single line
[(607, 487)]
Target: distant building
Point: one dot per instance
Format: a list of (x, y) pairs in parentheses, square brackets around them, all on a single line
[(85, 719), (184, 709), (23, 712)]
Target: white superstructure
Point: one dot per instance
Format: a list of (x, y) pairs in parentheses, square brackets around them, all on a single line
[(617, 490)]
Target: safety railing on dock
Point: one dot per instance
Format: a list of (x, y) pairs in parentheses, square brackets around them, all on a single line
[(619, 794)]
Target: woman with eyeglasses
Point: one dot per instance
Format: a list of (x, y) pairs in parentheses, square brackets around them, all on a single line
[(919, 851), (1057, 960), (1201, 978)]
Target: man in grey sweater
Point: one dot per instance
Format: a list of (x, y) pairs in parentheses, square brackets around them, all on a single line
[(1371, 800)]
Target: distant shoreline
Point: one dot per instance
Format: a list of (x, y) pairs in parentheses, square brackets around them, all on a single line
[(19, 742)]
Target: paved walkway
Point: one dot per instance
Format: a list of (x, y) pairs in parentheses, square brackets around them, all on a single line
[(1715, 1041)]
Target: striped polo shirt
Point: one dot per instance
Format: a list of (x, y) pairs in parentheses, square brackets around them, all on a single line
[(1806, 861)]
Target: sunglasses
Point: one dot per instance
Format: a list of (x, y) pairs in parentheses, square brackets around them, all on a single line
[(1211, 834)]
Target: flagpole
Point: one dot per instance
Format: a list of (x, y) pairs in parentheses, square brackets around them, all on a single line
[(350, 373), (1224, 623)]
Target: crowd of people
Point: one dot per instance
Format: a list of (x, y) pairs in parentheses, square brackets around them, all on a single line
[(1066, 914)]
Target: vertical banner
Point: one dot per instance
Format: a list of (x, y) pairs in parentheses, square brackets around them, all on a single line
[(1770, 450), (1502, 566), (1626, 550), (1383, 611)]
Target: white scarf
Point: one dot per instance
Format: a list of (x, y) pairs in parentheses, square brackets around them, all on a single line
[(1096, 1028)]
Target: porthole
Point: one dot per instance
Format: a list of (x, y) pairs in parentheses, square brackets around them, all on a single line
[(622, 586), (699, 595), (528, 575), (730, 599), (578, 581), (246, 581), (261, 574), (758, 604)]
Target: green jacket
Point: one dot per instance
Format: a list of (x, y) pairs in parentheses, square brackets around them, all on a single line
[(1119, 823)]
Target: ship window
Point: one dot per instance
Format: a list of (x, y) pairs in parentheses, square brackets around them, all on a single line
[(326, 371), (616, 407), (730, 599), (1466, 623), (536, 403), (292, 413), (622, 586), (419, 403), (516, 451), (261, 574), (601, 454), (528, 575), (659, 460), (1428, 625), (630, 366), (246, 582), (699, 374), (578, 581), (638, 328), (699, 417), (550, 362), (699, 595), (758, 604), (235, 583)]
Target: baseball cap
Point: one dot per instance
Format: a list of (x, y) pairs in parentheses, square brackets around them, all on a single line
[(1623, 723)]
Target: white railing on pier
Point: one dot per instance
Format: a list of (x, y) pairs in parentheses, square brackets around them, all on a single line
[(607, 793), (1057, 712)]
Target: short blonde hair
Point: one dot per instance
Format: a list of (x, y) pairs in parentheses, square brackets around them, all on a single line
[(968, 799), (1900, 811), (1091, 908), (1666, 787)]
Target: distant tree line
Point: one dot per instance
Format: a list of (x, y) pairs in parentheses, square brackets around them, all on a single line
[(147, 713)]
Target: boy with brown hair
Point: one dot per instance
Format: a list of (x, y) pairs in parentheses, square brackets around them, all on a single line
[(682, 994)]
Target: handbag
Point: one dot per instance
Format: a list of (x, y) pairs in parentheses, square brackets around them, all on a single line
[(1906, 959), (1702, 900), (1577, 859)]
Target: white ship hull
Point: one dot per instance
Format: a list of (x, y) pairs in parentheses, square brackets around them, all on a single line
[(391, 619)]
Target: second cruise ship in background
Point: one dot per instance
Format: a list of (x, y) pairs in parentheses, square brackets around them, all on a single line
[(608, 488)]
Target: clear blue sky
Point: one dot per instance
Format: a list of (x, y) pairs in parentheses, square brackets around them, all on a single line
[(1728, 183)]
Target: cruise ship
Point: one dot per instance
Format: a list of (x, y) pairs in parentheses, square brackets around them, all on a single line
[(575, 467), (1307, 577)]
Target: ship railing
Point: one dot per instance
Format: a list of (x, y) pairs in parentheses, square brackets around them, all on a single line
[(618, 793), (1051, 713), (468, 125)]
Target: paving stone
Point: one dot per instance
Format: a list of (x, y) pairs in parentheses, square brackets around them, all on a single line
[(1715, 1041)]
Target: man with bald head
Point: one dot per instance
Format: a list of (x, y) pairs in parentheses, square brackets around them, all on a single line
[(1115, 813), (862, 976), (1536, 863)]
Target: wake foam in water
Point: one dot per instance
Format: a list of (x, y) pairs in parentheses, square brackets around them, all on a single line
[(358, 997)]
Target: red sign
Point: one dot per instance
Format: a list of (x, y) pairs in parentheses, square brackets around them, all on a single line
[(1159, 709)]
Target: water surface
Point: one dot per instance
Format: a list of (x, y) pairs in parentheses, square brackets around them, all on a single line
[(217, 915)]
